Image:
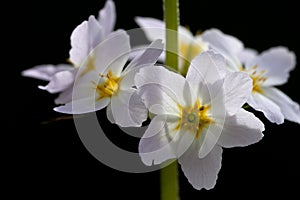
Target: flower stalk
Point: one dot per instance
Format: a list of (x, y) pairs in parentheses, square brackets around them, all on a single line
[(169, 175), (169, 187), (171, 13)]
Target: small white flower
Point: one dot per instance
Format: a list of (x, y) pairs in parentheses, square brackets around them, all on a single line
[(107, 84), (196, 116), (188, 45), (84, 39), (270, 68)]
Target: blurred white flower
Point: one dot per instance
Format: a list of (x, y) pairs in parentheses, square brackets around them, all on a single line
[(270, 68), (188, 45), (196, 116)]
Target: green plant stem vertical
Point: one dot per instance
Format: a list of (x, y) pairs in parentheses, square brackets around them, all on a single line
[(169, 188), (171, 13)]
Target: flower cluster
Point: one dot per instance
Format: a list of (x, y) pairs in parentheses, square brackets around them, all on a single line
[(195, 111)]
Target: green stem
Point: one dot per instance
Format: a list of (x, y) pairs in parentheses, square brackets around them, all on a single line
[(172, 20), (169, 175), (169, 188)]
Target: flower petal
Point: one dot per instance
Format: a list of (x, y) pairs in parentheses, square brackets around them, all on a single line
[(183, 140), (59, 82), (207, 68), (288, 107), (200, 43), (271, 111), (154, 146), (171, 83), (107, 17), (238, 88), (84, 39), (277, 62), (65, 96), (127, 80), (109, 114), (147, 58), (213, 95), (157, 101), (82, 106), (247, 55), (208, 139), (84, 86), (241, 129), (155, 29), (95, 33), (227, 45), (79, 43), (83, 92), (201, 173), (112, 53), (137, 109), (123, 110), (45, 72)]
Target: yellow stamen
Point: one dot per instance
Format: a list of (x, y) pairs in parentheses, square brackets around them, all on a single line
[(257, 78), (109, 87), (194, 118)]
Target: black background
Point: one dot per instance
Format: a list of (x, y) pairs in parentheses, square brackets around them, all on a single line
[(50, 160)]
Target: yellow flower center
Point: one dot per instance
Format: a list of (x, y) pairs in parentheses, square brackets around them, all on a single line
[(188, 51), (109, 87), (257, 78), (194, 118)]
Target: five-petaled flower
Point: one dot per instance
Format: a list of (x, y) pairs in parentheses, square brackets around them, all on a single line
[(270, 68), (196, 116), (106, 84)]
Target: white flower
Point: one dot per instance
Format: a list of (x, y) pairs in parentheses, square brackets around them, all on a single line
[(196, 116), (270, 68), (84, 39), (188, 45), (107, 84)]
